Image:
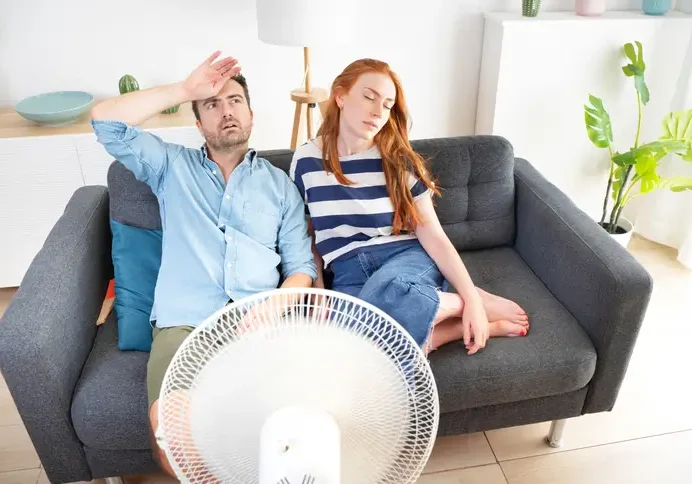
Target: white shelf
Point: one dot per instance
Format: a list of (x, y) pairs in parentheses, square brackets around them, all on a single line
[(537, 73), (570, 16), (38, 175)]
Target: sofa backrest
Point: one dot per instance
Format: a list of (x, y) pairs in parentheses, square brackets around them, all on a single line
[(475, 175)]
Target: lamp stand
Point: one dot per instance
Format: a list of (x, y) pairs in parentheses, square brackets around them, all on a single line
[(309, 97)]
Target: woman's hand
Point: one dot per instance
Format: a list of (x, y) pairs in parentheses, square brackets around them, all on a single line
[(475, 324)]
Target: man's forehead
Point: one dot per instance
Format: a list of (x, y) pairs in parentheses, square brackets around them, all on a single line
[(231, 87)]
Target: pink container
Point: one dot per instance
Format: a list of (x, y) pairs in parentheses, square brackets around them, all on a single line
[(589, 8)]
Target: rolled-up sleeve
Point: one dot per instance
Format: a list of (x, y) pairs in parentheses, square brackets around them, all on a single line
[(418, 188), (295, 244), (142, 152)]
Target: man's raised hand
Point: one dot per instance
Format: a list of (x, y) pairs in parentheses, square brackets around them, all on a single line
[(209, 77)]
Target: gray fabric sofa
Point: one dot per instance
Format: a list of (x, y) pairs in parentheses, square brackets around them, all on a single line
[(84, 402)]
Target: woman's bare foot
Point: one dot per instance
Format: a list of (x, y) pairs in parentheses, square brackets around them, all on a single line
[(452, 330), (445, 332), (504, 327), (451, 305), (500, 309)]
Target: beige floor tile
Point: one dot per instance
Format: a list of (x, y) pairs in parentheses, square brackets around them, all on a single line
[(8, 410), (458, 452), (42, 477), (28, 476), (663, 459), (20, 477), (489, 474), (16, 450), (6, 294), (158, 478)]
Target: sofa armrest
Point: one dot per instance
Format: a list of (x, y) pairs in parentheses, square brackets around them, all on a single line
[(593, 276), (49, 328)]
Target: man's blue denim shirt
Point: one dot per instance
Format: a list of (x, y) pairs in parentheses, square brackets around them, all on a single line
[(221, 240)]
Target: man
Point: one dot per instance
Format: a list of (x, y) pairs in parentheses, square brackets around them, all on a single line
[(229, 218)]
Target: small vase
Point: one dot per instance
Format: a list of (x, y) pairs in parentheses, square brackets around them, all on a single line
[(589, 8), (623, 234), (655, 7), (530, 8)]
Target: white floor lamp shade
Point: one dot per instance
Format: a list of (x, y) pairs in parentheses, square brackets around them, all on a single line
[(306, 23)]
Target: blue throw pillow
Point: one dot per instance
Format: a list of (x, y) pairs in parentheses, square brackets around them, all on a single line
[(136, 256)]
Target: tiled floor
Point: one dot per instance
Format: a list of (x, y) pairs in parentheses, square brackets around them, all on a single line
[(646, 438)]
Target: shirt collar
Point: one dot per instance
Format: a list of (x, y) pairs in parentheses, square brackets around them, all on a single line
[(250, 157)]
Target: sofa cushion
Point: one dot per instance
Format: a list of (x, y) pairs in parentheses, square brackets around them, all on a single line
[(109, 407), (136, 254), (555, 357), (475, 175), (131, 201)]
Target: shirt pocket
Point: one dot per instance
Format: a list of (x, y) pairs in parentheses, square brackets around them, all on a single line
[(261, 224)]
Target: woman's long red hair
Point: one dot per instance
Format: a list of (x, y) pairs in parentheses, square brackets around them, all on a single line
[(398, 157)]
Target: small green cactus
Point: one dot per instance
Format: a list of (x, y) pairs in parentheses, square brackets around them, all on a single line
[(530, 8), (171, 110), (127, 83)]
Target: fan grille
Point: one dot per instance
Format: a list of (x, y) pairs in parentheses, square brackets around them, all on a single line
[(306, 347)]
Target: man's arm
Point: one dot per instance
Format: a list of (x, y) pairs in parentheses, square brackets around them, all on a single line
[(135, 107), (115, 121), (295, 244), (319, 263)]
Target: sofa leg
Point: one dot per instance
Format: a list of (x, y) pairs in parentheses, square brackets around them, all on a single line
[(114, 480), (554, 438)]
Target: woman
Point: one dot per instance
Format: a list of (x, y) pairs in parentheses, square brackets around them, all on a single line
[(369, 198)]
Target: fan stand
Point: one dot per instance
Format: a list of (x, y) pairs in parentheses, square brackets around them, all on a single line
[(310, 97)]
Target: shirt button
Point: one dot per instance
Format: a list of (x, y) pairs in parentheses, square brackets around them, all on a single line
[(228, 292), (213, 172), (228, 265), (228, 197)]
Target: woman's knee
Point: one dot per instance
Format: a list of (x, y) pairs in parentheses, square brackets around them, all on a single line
[(397, 289)]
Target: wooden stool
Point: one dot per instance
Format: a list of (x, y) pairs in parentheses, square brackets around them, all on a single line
[(310, 100), (310, 97)]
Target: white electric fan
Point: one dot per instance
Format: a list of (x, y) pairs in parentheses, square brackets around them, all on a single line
[(298, 386)]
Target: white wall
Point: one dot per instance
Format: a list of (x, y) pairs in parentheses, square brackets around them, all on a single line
[(435, 46), (534, 91)]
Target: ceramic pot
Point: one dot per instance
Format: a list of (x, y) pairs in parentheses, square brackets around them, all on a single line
[(623, 234), (655, 7), (589, 8)]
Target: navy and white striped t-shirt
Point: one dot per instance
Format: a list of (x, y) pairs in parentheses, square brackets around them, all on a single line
[(347, 217)]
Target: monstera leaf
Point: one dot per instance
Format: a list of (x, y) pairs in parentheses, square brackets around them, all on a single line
[(598, 126), (636, 69), (681, 185), (619, 176), (656, 150), (646, 171), (677, 126)]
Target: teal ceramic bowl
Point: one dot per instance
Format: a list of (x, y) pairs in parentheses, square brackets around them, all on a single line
[(55, 108)]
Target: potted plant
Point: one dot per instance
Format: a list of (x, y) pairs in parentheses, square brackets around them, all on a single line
[(635, 172), (530, 8)]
